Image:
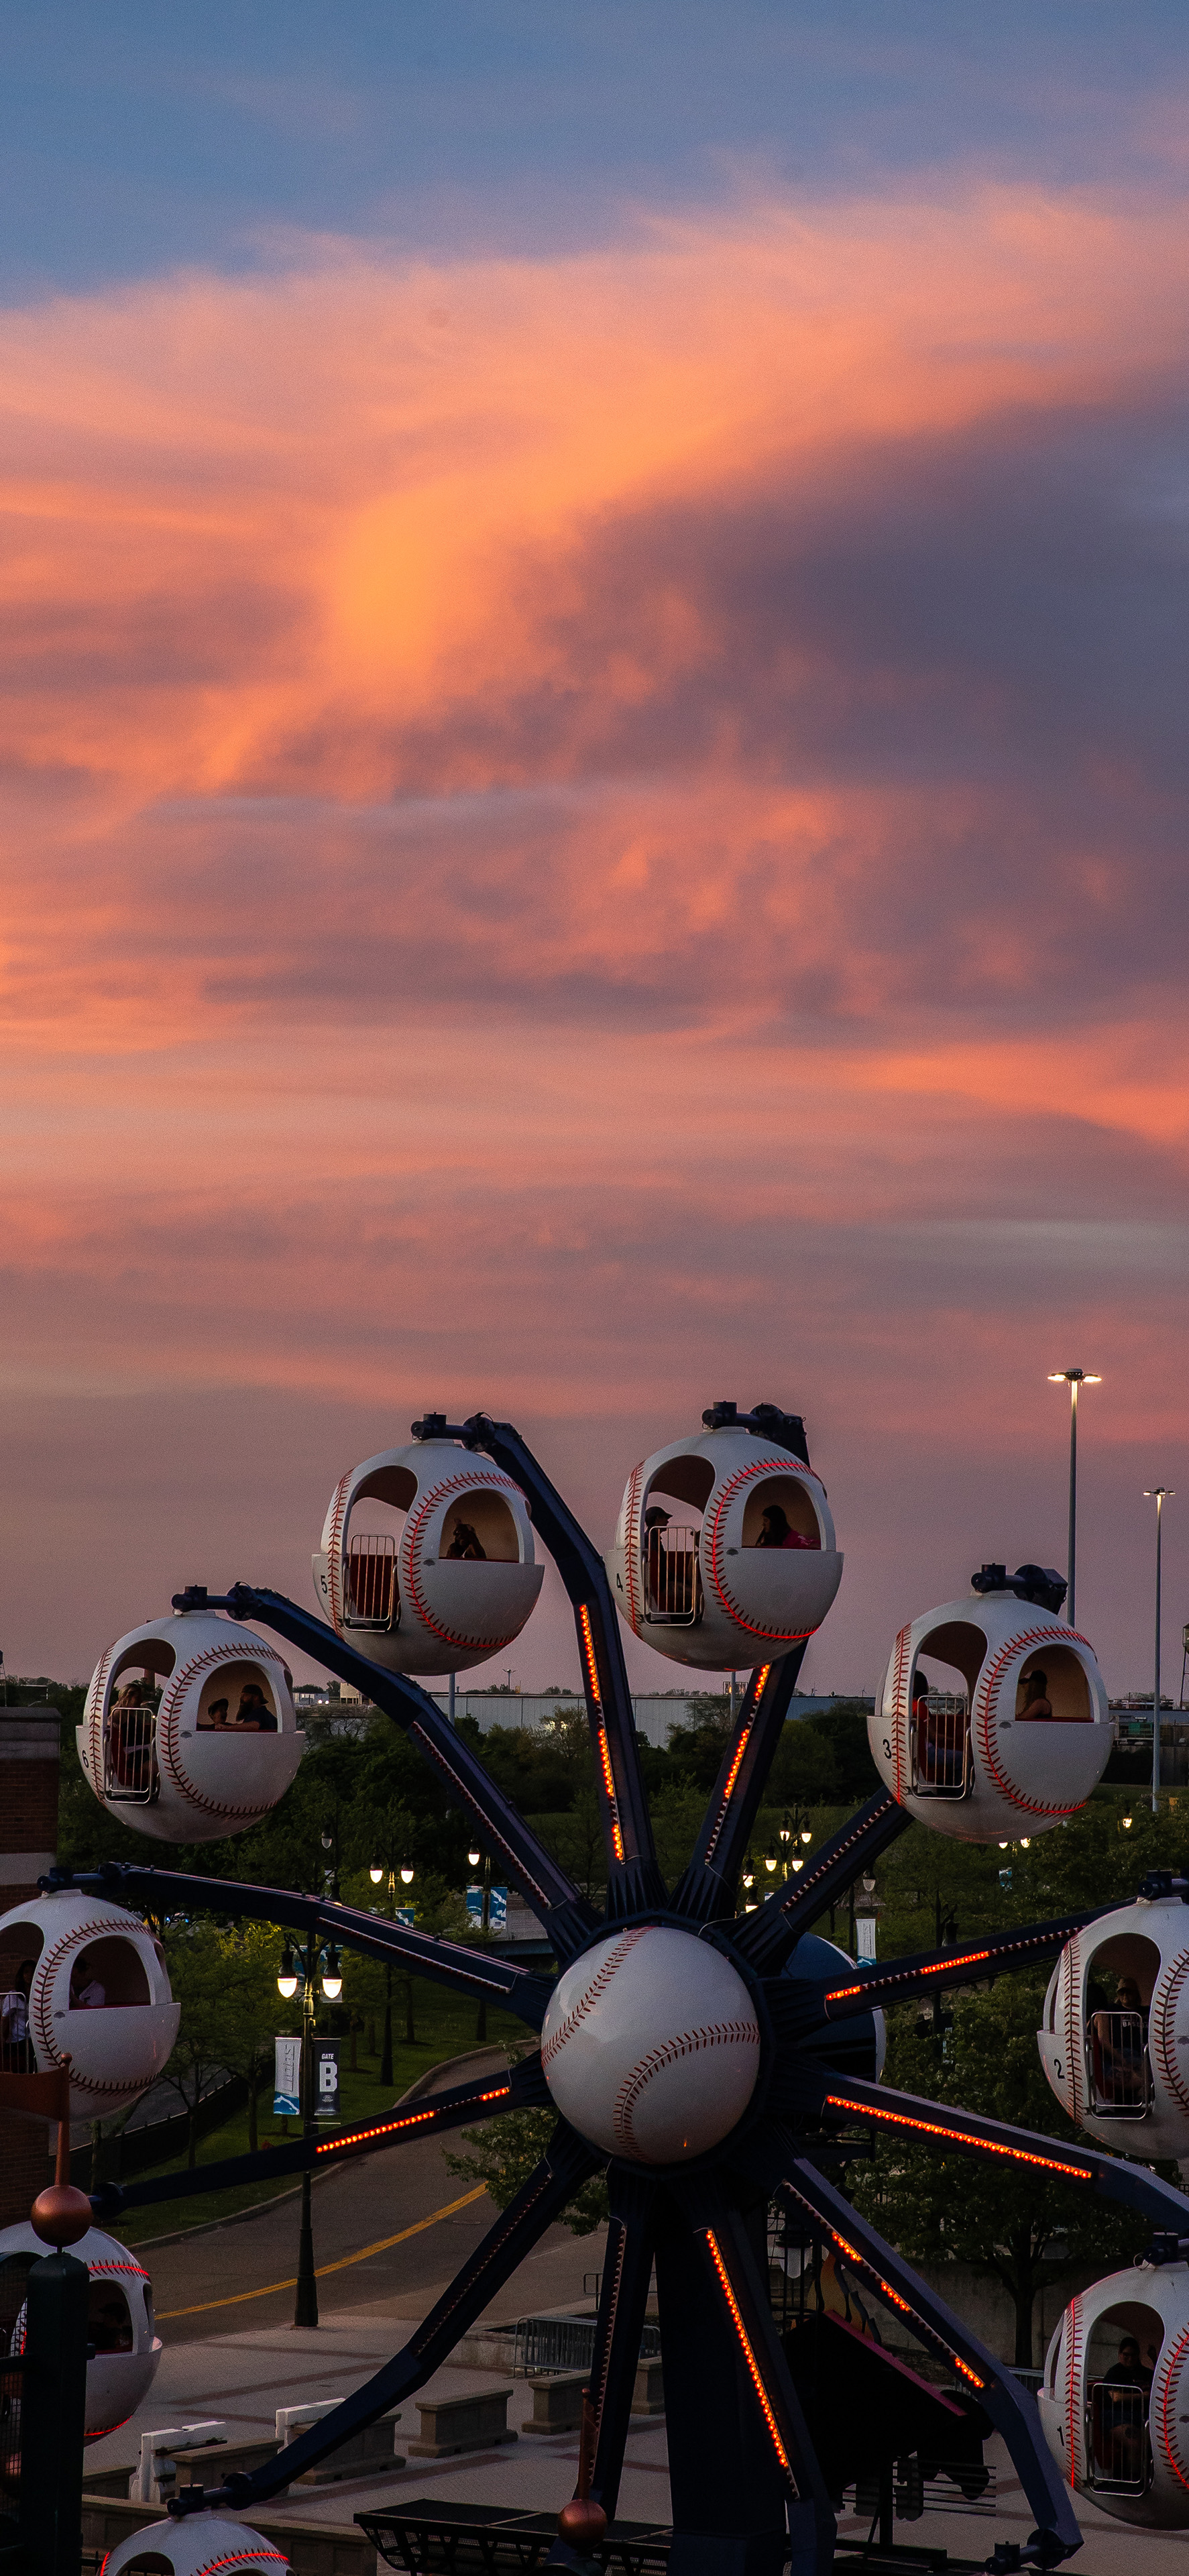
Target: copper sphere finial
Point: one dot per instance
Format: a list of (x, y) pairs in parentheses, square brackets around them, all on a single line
[(61, 2214), (583, 2524)]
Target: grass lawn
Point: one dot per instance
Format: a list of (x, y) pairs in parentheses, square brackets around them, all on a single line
[(445, 2027)]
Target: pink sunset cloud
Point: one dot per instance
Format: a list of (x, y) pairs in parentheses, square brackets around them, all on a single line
[(582, 833)]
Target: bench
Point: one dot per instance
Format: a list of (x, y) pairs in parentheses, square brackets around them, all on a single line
[(371, 2453), (450, 2424), (557, 2401)]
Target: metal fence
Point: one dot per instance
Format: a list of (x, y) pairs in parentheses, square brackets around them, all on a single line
[(565, 2343), (11, 2380), (941, 1748), (1117, 2438), (673, 1576), (371, 1581), (1120, 2075)]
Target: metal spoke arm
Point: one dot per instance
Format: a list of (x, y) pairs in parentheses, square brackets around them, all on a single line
[(634, 1879), (707, 1892), (804, 2192), (911, 2115), (446, 1963), (722, 2240), (568, 1916), (567, 2164), (904, 1980), (623, 2298), (770, 1935), (520, 2088)]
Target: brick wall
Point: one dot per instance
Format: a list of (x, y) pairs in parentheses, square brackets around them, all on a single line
[(30, 1740)]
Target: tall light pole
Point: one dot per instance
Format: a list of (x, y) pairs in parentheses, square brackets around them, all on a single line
[(1073, 1379), (1158, 1494)]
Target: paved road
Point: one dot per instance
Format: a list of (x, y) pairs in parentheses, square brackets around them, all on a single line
[(228, 2279)]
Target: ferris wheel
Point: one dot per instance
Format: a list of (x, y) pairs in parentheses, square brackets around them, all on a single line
[(707, 2060)]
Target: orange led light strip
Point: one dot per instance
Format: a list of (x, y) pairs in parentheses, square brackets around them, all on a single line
[(737, 1764), (962, 2137), (749, 2357), (854, 2256), (590, 1660), (412, 2120), (937, 1968)]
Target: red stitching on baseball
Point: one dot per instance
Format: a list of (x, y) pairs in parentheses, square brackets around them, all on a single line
[(632, 1550), (334, 1550), (688, 2043), (1175, 2360), (413, 1540), (1074, 2038), (94, 1717), (1164, 2032), (1071, 2391), (901, 1702), (986, 1695), (714, 1556), (169, 1715), (587, 2001)]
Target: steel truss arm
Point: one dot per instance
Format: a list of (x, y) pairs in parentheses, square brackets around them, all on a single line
[(623, 2298), (707, 1892), (445, 1963), (911, 2115), (562, 2171), (769, 1936), (725, 2249), (803, 2190), (634, 1879), (903, 1980), (519, 2088), (568, 1916)]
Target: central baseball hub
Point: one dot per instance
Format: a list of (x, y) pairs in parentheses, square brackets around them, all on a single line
[(651, 2045)]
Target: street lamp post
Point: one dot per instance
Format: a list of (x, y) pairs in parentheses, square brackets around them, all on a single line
[(1158, 1494), (305, 2305), (1073, 1379), (473, 1858)]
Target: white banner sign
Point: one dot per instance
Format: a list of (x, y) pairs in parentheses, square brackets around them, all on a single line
[(287, 2093)]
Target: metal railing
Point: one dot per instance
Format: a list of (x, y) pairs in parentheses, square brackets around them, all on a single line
[(941, 1761), (1118, 2066), (565, 2343), (130, 1775), (1117, 2443), (371, 1599), (11, 2379), (672, 1576), (952, 2486)]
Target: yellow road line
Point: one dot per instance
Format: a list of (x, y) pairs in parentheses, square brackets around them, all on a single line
[(343, 2265)]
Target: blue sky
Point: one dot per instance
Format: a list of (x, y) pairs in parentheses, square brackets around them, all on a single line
[(136, 137)]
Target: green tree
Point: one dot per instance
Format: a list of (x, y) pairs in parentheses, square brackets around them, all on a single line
[(509, 2149), (250, 1955), (1006, 2220), (197, 1965)]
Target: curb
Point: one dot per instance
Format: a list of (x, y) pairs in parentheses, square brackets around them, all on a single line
[(206, 2226)]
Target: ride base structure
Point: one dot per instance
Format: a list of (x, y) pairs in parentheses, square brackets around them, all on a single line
[(684, 2047)]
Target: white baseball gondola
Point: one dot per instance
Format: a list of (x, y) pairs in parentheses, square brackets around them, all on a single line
[(993, 1721), (98, 1992), (439, 1571), (219, 1750), (126, 2349), (196, 2544), (1114, 2042), (724, 1552), (1114, 2401)]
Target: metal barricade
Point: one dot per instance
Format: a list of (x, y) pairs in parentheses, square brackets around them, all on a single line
[(672, 1577), (545, 2344), (941, 1761), (1117, 2443), (130, 1775), (1118, 2066), (372, 1598)]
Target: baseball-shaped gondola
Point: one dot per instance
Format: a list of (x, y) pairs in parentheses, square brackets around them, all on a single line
[(205, 2544), (125, 2349), (218, 1752), (1114, 2042), (96, 1989), (1115, 2397), (427, 1561), (724, 1551), (993, 1718)]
